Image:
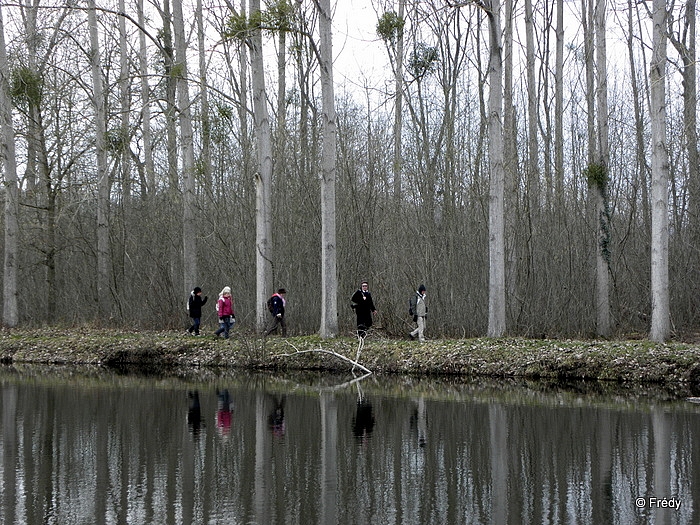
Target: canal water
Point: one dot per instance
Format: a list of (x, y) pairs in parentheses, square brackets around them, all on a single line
[(92, 447)]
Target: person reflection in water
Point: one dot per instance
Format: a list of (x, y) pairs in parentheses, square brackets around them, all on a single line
[(275, 420), (223, 412), (194, 413), (419, 422), (363, 422)]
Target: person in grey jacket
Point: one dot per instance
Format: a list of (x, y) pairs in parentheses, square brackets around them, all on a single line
[(418, 308)]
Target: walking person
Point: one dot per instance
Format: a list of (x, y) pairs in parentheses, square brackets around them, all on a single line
[(418, 308), (194, 306), (224, 308), (276, 305), (361, 301)]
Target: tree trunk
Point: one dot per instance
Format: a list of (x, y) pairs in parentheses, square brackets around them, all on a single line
[(205, 157), (124, 102), (660, 315), (639, 183), (103, 186), (263, 179), (189, 226), (31, 174), (532, 181), (497, 299), (684, 42), (329, 278), (602, 199), (9, 163), (559, 113), (510, 164), (281, 132), (170, 96), (398, 110), (149, 184)]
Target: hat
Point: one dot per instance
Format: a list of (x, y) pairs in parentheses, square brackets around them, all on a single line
[(421, 288), (227, 289), (197, 290), (281, 290)]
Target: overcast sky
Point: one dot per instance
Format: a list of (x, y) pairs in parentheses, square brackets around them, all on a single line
[(360, 55)]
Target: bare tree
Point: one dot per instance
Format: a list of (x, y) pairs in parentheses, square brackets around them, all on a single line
[(205, 156), (124, 103), (189, 227), (103, 183), (263, 177), (497, 299), (391, 29), (601, 183), (660, 314), (149, 181), (532, 171), (166, 36), (597, 170), (683, 39), (329, 278), (398, 109), (7, 155), (559, 111)]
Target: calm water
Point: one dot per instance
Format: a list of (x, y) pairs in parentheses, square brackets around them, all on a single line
[(97, 448)]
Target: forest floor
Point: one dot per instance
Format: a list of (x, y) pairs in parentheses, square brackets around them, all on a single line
[(673, 363)]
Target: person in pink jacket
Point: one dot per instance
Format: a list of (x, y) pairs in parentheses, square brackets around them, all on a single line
[(224, 309)]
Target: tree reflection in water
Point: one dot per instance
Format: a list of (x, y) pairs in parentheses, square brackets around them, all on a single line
[(104, 448)]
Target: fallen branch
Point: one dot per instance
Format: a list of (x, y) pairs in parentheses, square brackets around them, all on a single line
[(354, 364), (360, 346)]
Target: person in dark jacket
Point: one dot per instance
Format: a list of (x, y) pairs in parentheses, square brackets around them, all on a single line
[(361, 302), (276, 305), (194, 305)]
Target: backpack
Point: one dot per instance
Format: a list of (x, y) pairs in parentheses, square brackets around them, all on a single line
[(412, 305), (270, 306)]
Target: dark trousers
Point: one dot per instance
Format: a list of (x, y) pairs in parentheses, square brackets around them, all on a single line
[(195, 326), (277, 321)]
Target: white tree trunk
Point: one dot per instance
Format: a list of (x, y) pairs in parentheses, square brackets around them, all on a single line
[(7, 155), (150, 180), (205, 156), (263, 179), (103, 183), (660, 315), (497, 296), (189, 227), (329, 277)]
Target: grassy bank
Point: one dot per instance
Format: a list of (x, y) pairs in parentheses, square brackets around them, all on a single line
[(637, 361)]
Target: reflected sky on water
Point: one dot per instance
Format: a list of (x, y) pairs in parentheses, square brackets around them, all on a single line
[(90, 447)]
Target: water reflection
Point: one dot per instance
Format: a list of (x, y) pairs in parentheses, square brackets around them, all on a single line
[(194, 413), (111, 449), (275, 420), (224, 406)]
